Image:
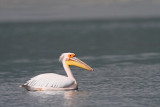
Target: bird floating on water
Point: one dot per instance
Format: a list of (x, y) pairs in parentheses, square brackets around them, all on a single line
[(52, 81)]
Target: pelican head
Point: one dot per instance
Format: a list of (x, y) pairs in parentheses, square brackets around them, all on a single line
[(71, 60)]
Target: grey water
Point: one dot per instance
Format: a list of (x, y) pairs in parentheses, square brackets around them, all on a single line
[(125, 55)]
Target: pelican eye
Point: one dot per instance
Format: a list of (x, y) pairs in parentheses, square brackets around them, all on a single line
[(71, 55)]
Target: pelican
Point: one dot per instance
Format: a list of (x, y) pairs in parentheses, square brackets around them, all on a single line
[(52, 81)]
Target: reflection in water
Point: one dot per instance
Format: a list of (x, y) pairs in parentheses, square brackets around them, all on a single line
[(73, 97), (45, 94), (69, 98)]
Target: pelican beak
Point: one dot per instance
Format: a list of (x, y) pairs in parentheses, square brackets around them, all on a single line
[(77, 62)]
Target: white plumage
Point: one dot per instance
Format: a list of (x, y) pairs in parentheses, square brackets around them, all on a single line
[(49, 80)]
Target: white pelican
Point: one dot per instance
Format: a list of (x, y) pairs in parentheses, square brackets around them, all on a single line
[(52, 81)]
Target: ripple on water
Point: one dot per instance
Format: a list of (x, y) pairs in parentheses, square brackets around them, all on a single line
[(121, 81)]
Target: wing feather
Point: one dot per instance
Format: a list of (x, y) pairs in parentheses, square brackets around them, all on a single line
[(50, 80)]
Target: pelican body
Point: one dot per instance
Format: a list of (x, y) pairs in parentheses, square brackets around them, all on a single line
[(52, 81)]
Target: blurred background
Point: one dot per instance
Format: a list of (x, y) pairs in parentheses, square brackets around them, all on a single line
[(38, 28), (120, 39)]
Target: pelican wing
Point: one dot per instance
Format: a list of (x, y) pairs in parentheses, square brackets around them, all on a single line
[(49, 80)]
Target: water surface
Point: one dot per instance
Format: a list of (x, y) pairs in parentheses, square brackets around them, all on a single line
[(124, 53)]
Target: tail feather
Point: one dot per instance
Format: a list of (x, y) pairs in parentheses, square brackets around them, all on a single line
[(28, 88), (25, 86)]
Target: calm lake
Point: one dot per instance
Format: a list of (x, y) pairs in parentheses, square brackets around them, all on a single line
[(124, 53)]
